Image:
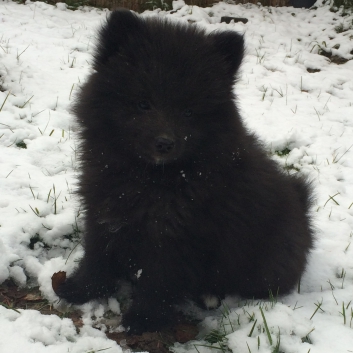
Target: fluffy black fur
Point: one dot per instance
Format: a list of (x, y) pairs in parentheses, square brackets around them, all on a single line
[(172, 182)]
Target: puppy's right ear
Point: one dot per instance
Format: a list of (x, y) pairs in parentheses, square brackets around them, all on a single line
[(120, 25), (230, 45)]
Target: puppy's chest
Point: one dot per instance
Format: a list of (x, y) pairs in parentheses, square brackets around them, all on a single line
[(155, 207), (163, 212), (158, 207)]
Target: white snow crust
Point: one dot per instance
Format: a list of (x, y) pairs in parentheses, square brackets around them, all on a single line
[(45, 54)]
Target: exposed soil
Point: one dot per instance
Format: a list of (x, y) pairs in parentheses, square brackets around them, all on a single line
[(334, 58), (312, 71), (15, 298), (156, 342)]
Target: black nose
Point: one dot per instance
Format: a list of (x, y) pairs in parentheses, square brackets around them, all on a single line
[(164, 145)]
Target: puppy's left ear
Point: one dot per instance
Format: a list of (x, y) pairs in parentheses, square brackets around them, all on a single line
[(231, 46), (121, 28)]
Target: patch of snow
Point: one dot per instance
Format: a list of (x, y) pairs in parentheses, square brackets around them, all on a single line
[(296, 100)]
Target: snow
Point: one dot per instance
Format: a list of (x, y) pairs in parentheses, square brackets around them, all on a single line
[(45, 53), (29, 331)]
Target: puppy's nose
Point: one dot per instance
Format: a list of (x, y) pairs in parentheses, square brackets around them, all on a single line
[(164, 145)]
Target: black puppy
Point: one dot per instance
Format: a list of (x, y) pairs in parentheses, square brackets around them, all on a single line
[(180, 199)]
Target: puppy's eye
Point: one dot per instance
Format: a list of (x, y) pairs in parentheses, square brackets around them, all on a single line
[(144, 105), (187, 113)]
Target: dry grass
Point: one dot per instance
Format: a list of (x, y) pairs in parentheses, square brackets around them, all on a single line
[(142, 5)]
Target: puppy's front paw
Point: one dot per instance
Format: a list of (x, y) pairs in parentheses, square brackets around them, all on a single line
[(72, 292), (138, 323)]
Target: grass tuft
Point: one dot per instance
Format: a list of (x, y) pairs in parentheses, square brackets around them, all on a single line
[(248, 347), (25, 103), (266, 327), (332, 198), (35, 211), (278, 343), (252, 329), (299, 283), (34, 240), (259, 58), (21, 144), (9, 307), (284, 152), (318, 307), (3, 103), (345, 4), (72, 251), (336, 160), (18, 55), (151, 5), (343, 313), (306, 338)]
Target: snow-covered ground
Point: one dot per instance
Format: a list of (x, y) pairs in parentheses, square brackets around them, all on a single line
[(305, 118)]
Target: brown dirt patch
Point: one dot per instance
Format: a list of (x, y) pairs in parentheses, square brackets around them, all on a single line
[(13, 297), (334, 58)]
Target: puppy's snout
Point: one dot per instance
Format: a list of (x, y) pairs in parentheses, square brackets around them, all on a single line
[(164, 145)]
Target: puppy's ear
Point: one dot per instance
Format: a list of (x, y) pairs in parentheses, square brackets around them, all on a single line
[(120, 26), (231, 46)]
